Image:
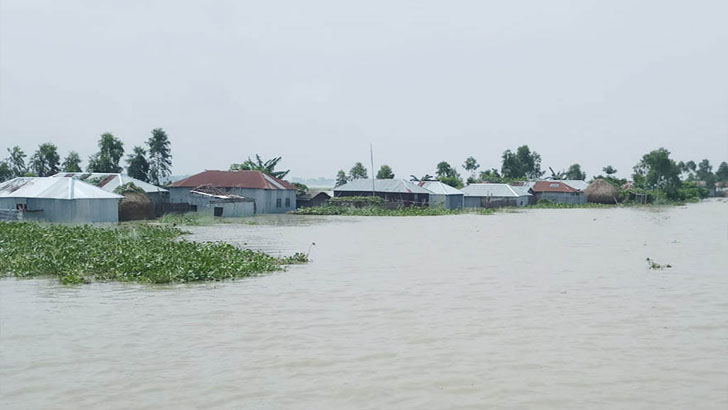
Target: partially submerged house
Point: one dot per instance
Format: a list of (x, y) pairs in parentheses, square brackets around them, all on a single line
[(210, 200), (558, 191), (495, 195), (395, 192), (110, 181), (313, 198), (270, 194), (57, 199), (443, 195)]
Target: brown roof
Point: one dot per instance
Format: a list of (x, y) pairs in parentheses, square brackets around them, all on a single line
[(233, 179), (551, 186)]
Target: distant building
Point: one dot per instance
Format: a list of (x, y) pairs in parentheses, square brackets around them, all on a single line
[(495, 196), (443, 195), (558, 192), (57, 199), (270, 194), (395, 192), (313, 198), (212, 201)]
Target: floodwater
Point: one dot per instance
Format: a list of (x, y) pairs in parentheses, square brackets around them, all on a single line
[(543, 309)]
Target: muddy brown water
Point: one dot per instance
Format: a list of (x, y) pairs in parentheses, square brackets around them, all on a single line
[(546, 309)]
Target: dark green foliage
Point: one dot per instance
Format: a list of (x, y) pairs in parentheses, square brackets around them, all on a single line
[(657, 171), (381, 211), (45, 161), (471, 165), (574, 172), (136, 253), (609, 170), (5, 171), (722, 173), (160, 156), (521, 164), (491, 175), (357, 201), (300, 188), (107, 159), (16, 161), (341, 178), (385, 172), (267, 167), (128, 187), (137, 165), (448, 175), (72, 162), (705, 172), (358, 171)]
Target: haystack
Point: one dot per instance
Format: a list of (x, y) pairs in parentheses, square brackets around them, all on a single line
[(602, 192), (135, 205)]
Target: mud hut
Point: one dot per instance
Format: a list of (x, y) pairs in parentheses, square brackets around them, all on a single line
[(135, 205), (602, 192)]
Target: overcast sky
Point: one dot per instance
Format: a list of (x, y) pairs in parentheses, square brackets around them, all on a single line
[(594, 82)]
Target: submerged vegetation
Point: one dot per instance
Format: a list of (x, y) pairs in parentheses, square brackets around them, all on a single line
[(130, 253), (381, 211)]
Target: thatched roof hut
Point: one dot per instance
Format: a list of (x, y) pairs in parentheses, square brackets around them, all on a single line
[(135, 205), (602, 192)]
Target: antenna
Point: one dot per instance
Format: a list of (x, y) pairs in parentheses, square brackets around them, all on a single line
[(371, 156)]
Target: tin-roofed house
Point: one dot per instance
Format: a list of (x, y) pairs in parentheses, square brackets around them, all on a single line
[(270, 194), (210, 200), (313, 198), (395, 192), (57, 199), (443, 195), (558, 192), (495, 196)]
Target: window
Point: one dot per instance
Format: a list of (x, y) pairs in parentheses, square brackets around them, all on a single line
[(217, 211), (193, 208), (288, 202), (278, 203)]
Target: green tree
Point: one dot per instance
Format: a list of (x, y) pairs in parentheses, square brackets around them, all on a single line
[(448, 175), (160, 156), (575, 172), (45, 161), (358, 171), (267, 167), (341, 178), (6, 171), (609, 170), (471, 165), (111, 150), (491, 176), (657, 171), (137, 165), (72, 162), (521, 164), (722, 173), (16, 161), (705, 172), (385, 172)]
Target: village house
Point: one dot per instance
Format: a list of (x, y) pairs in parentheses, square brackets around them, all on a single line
[(270, 194), (443, 195), (395, 192), (57, 199), (558, 192), (214, 202), (313, 198), (496, 195)]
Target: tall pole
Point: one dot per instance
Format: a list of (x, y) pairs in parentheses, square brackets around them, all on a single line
[(371, 156)]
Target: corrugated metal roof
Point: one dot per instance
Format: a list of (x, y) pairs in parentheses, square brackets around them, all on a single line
[(233, 179), (52, 188), (110, 181), (495, 190), (552, 186), (399, 186), (439, 188), (577, 184)]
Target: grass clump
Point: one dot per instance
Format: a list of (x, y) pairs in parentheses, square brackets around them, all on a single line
[(130, 253)]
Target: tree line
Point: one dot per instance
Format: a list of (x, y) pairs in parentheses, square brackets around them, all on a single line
[(149, 163), (655, 171)]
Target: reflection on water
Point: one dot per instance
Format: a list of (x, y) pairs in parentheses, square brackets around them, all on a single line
[(547, 309)]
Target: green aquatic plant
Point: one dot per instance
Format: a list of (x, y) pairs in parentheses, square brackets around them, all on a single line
[(128, 253), (380, 211)]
